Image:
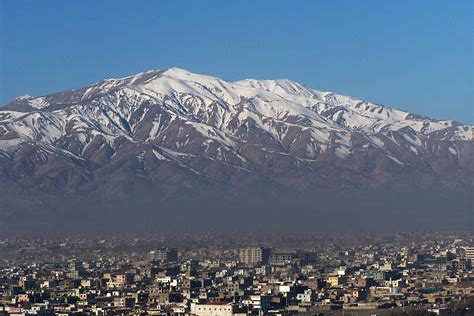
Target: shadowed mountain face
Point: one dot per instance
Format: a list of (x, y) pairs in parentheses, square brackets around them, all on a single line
[(179, 146)]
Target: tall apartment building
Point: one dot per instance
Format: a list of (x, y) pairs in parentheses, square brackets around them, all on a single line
[(163, 255), (469, 253), (281, 258), (254, 255)]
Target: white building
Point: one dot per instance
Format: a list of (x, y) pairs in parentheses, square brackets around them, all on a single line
[(305, 297), (469, 253), (212, 309), (254, 255)]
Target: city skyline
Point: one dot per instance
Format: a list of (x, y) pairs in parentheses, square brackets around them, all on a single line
[(400, 274)]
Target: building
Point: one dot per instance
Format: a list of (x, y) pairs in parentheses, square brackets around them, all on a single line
[(306, 297), (260, 302), (307, 257), (163, 255), (213, 309), (281, 259), (254, 255), (469, 253), (461, 265), (335, 280)]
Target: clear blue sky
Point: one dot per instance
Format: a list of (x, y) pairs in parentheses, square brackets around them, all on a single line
[(414, 55)]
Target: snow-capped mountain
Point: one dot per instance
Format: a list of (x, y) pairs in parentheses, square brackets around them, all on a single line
[(172, 132)]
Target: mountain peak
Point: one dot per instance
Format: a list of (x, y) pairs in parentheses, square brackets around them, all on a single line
[(23, 97), (177, 71), (186, 75)]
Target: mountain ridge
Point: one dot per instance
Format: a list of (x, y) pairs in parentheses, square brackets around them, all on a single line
[(174, 133)]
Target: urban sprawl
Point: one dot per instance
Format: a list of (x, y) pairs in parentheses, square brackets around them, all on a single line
[(216, 275)]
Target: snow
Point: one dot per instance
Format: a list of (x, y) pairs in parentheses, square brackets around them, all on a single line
[(395, 159), (342, 152), (9, 144), (216, 109), (377, 141), (38, 103), (212, 133), (159, 156), (24, 97)]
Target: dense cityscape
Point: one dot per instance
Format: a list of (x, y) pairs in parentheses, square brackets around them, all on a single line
[(354, 274)]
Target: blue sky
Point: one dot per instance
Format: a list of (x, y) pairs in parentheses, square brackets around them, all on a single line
[(413, 55)]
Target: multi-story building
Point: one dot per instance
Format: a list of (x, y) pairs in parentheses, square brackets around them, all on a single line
[(254, 255), (164, 255), (469, 253), (281, 259), (221, 308), (461, 265)]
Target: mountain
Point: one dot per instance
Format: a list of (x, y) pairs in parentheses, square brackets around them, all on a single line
[(169, 135)]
